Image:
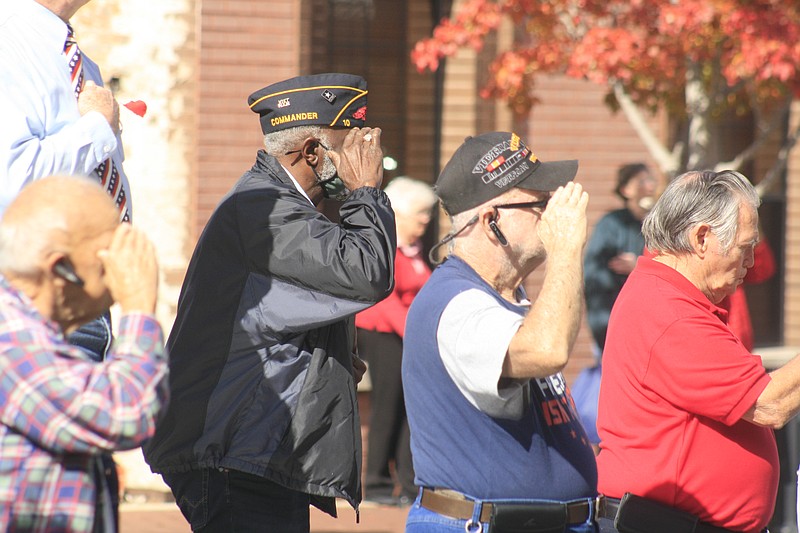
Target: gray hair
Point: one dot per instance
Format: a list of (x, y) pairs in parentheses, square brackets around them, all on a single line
[(26, 241), (698, 197), (463, 217), (277, 143), (408, 194), (459, 223)]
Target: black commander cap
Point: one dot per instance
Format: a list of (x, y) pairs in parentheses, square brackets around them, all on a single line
[(334, 100)]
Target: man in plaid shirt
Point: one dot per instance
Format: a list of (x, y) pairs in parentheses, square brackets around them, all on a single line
[(64, 259)]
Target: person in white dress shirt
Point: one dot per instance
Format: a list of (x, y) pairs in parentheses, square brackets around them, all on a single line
[(47, 130)]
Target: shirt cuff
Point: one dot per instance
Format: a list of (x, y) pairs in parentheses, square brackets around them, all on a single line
[(104, 141), (142, 330), (368, 191)]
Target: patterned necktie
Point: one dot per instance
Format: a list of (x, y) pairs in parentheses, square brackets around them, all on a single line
[(107, 170), (75, 60)]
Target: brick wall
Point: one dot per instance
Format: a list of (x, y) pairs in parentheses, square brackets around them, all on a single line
[(419, 105), (459, 113), (244, 46), (792, 243)]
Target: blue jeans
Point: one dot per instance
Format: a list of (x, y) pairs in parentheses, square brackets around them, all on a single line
[(421, 520), (218, 500)]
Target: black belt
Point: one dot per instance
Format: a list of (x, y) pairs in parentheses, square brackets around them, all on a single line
[(611, 507), (455, 505)]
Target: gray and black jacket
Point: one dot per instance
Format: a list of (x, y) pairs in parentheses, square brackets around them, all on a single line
[(260, 353)]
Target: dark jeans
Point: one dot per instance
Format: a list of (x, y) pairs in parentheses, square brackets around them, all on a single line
[(606, 525), (389, 436), (229, 501), (94, 338)]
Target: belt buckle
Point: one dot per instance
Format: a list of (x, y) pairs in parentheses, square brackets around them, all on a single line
[(473, 527)]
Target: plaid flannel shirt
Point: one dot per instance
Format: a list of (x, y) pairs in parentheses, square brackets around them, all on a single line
[(58, 410)]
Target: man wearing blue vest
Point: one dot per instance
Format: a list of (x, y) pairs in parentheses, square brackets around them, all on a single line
[(496, 440)]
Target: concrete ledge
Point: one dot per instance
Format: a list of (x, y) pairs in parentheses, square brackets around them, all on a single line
[(776, 356), (138, 483)]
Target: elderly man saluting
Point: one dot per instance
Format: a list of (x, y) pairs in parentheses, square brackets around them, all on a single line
[(64, 259), (495, 437), (686, 413), (265, 419)]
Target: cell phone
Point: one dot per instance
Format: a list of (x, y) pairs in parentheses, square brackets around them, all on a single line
[(64, 270)]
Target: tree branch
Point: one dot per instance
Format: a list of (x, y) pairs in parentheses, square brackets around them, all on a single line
[(748, 153), (667, 162), (780, 163)]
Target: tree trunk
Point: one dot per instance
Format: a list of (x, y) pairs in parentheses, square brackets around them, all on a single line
[(698, 105)]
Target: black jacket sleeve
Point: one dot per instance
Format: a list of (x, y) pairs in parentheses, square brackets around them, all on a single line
[(286, 237)]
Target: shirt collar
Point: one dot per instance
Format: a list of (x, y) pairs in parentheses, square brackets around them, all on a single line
[(411, 250), (20, 300), (646, 265), (53, 30), (297, 185), (520, 293)]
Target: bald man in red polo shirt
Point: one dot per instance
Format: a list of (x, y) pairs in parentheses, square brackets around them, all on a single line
[(686, 413)]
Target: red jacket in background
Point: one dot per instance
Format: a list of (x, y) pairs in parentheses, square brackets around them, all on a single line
[(410, 274), (736, 304)]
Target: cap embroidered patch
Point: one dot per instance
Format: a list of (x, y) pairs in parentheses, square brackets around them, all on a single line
[(487, 165)]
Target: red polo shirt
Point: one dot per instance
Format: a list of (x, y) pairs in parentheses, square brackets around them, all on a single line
[(675, 385)]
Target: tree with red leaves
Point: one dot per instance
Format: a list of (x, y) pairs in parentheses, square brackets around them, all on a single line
[(697, 59)]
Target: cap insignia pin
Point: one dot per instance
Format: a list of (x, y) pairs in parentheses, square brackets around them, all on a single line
[(329, 96)]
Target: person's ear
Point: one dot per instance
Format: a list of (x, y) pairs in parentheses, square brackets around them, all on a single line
[(491, 228), (51, 267), (64, 270), (310, 151), (699, 238)]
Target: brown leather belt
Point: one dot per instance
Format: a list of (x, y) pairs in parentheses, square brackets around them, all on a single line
[(455, 505)]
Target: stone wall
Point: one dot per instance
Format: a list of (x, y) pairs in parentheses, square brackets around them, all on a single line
[(152, 54)]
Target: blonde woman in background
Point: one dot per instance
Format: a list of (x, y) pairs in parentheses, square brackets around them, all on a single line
[(380, 342)]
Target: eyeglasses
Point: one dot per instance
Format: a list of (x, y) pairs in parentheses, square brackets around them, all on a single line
[(319, 143), (522, 205)]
